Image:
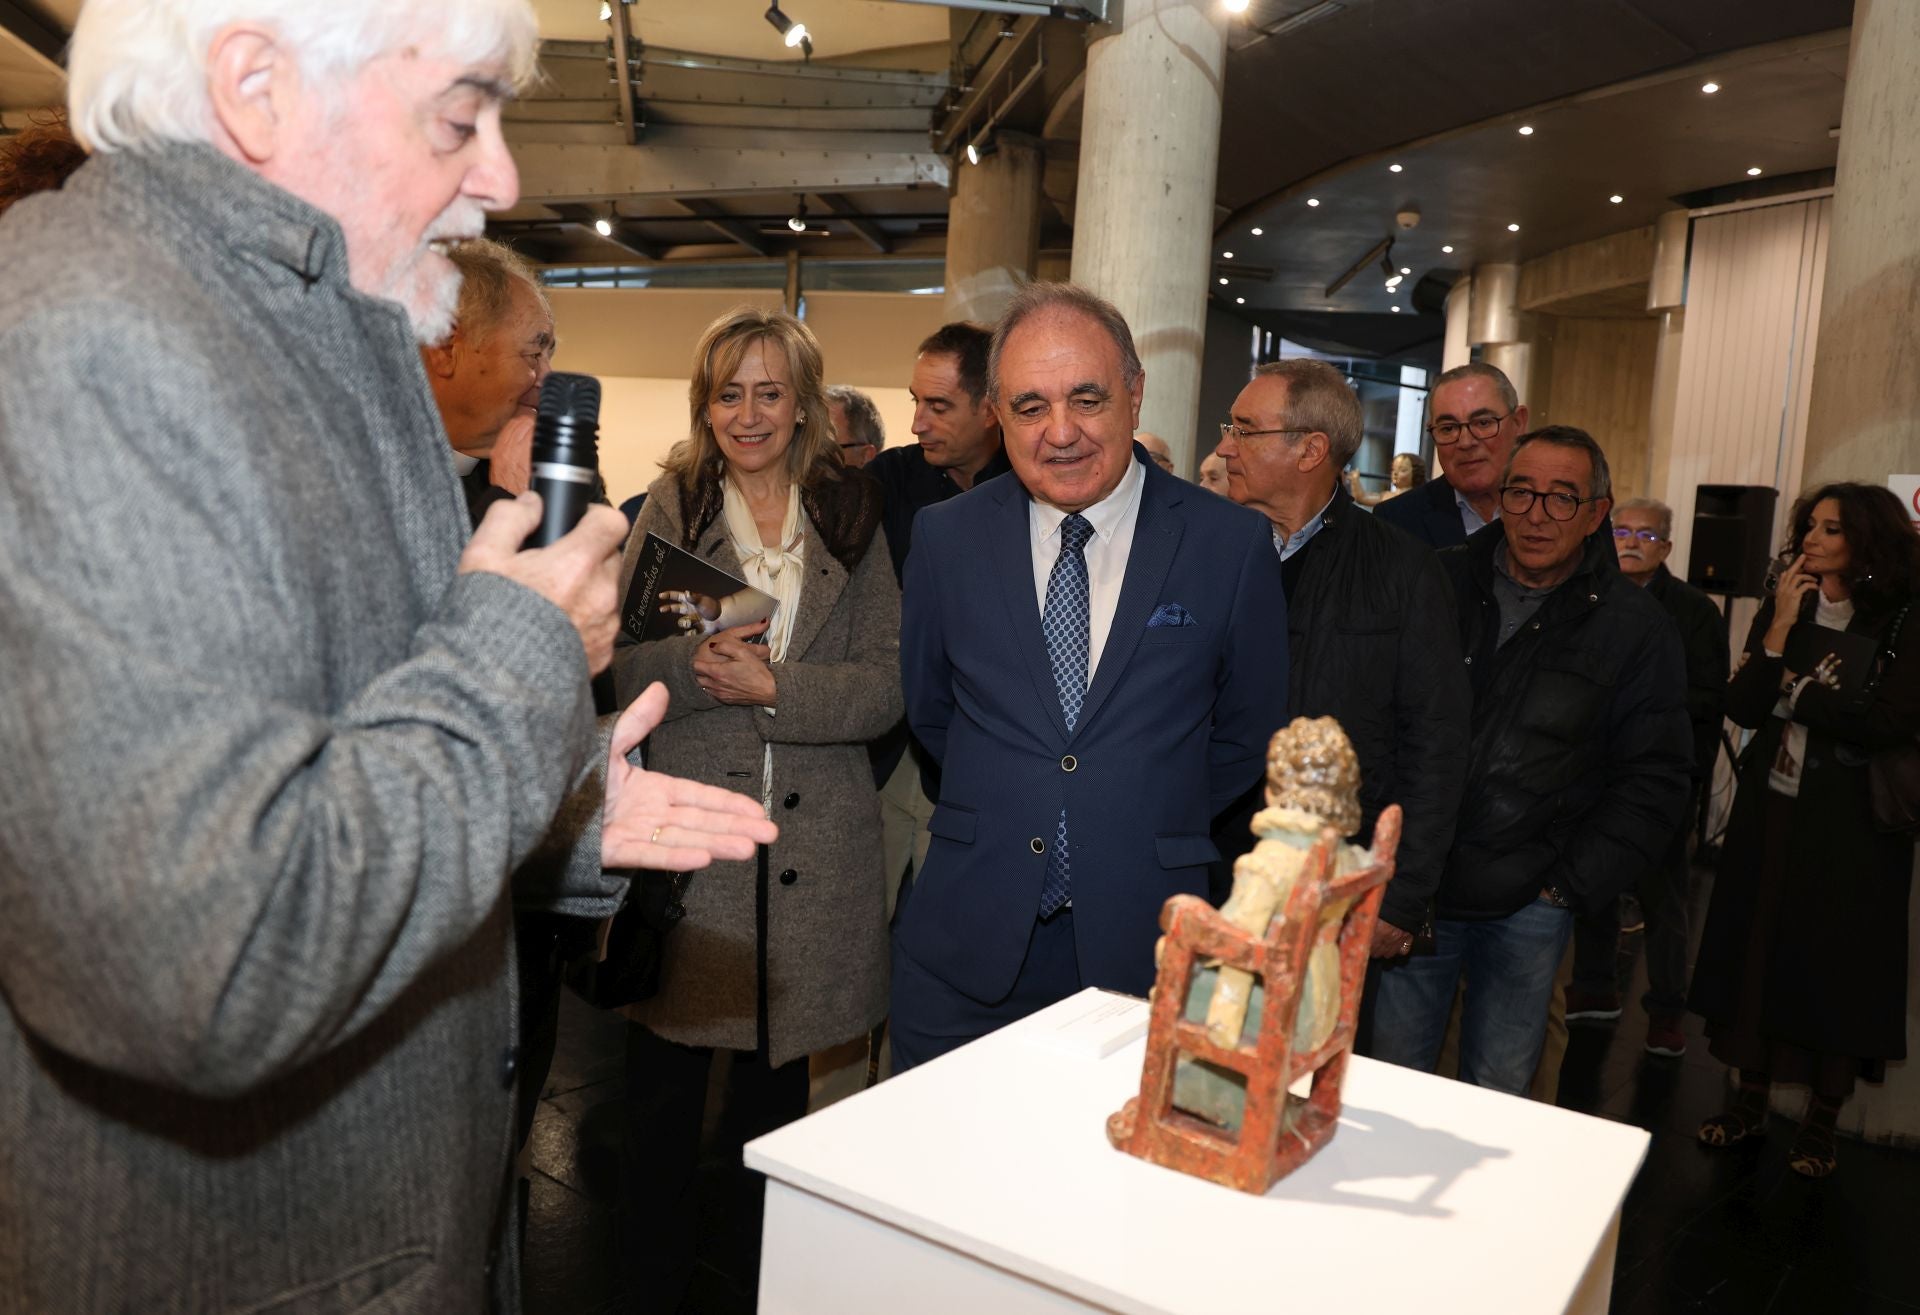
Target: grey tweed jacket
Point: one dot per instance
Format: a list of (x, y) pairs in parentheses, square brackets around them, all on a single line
[(826, 917), (265, 762)]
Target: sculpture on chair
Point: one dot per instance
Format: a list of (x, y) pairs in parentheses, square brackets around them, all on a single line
[(1265, 991)]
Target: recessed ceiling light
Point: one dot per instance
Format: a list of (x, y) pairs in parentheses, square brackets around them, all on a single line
[(1239, 301), (1393, 168), (1709, 87), (1616, 198), (1513, 228), (1526, 130), (1226, 255), (1394, 309), (1313, 200), (1754, 172), (1223, 283), (1258, 231), (1405, 270), (1446, 251)]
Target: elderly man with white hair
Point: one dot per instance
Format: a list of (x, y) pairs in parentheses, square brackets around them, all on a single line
[(275, 732)]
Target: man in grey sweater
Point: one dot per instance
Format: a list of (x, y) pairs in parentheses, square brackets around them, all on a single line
[(272, 739)]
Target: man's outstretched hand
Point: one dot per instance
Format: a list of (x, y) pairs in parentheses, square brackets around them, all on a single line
[(657, 821)]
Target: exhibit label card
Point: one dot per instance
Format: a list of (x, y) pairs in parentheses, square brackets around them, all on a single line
[(1090, 1025)]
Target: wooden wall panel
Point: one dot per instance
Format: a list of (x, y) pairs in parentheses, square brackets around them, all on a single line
[(1602, 381)]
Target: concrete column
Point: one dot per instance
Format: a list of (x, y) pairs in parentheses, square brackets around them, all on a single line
[(993, 228), (1143, 209), (1455, 348), (1866, 367)]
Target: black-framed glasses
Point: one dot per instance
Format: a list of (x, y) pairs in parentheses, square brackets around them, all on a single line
[(1230, 430), (848, 447), (1622, 533), (1518, 500), (1483, 427)]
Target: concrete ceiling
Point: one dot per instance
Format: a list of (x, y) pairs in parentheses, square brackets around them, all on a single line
[(1655, 142), (1321, 97), (1342, 91)]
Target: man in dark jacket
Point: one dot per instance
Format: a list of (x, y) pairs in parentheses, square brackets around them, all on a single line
[(1473, 416), (1371, 638), (1642, 538), (1577, 768)]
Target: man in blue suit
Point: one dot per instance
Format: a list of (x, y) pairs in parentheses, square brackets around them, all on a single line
[(1095, 652), (1474, 415)]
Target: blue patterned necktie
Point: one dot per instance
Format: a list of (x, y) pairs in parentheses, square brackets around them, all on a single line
[(1065, 623)]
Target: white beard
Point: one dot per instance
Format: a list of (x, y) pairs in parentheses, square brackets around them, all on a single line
[(427, 286)]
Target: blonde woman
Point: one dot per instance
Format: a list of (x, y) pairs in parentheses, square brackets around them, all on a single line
[(786, 954)]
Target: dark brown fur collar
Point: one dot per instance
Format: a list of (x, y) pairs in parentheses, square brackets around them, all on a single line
[(844, 506)]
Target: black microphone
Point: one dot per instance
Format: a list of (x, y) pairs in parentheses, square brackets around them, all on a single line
[(566, 463)]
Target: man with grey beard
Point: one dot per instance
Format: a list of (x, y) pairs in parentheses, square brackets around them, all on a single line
[(276, 732)]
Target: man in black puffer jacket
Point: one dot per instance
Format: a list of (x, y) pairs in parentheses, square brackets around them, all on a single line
[(1578, 762), (1371, 633)]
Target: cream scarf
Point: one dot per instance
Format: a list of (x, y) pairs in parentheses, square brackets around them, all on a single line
[(778, 571)]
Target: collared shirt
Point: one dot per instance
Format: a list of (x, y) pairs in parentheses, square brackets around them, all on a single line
[(1113, 519), (1289, 546), (1518, 602), (909, 484), (1471, 520)]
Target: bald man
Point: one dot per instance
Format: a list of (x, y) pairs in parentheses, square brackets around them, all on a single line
[(1157, 448)]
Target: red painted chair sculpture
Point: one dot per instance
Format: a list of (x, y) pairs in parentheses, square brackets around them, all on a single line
[(1254, 996)]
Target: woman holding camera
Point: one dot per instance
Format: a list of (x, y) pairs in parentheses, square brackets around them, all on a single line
[(1802, 973)]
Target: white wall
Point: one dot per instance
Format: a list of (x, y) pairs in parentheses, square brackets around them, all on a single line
[(639, 342)]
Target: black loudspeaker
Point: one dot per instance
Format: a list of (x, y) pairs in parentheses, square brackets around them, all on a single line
[(1732, 538)]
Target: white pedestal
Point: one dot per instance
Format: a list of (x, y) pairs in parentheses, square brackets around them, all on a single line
[(984, 1183)]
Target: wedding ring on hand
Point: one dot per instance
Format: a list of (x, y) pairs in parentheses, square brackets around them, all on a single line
[(654, 839)]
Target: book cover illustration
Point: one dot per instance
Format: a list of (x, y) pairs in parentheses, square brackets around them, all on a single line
[(676, 593)]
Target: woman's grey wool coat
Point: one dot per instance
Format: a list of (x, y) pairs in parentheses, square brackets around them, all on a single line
[(839, 687)]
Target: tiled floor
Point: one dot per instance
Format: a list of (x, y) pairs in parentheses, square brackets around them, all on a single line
[(1704, 1231)]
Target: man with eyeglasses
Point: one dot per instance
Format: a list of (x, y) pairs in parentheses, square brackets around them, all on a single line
[(1642, 538), (486, 376), (1578, 761), (856, 424), (1371, 638), (1474, 415)]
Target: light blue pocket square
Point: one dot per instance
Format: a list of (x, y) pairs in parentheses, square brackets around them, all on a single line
[(1170, 614)]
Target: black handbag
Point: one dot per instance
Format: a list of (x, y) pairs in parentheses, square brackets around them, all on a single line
[(1893, 775), (636, 944)]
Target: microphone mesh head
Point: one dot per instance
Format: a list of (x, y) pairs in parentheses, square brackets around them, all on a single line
[(573, 397)]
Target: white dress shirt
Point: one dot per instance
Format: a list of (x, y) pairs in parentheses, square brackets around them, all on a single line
[(1113, 519)]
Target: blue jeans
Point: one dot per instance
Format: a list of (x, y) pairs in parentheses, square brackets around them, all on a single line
[(1509, 966)]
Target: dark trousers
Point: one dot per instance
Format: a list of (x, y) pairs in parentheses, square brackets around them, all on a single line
[(665, 1110), (1663, 903), (929, 1017)]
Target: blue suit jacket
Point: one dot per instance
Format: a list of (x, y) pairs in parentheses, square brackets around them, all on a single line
[(1174, 727), (1428, 513)]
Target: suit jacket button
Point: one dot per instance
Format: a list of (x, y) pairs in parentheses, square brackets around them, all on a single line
[(1068, 763), (509, 1067), (791, 801), (788, 877), (1037, 845)]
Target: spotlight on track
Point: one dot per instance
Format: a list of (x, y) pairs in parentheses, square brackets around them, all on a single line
[(791, 33), (799, 221)]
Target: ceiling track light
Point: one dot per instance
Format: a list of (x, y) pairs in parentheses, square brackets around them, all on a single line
[(603, 226), (799, 221), (792, 34), (981, 146)]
